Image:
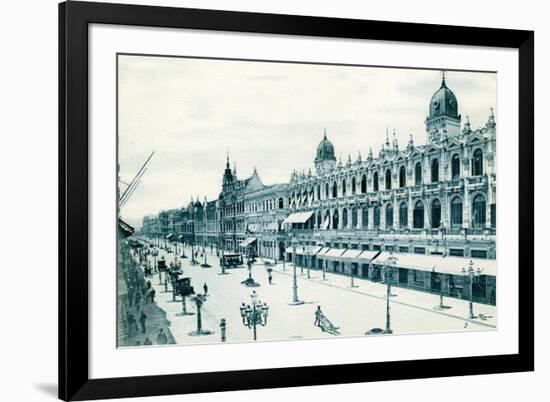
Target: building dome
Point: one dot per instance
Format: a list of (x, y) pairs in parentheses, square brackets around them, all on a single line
[(443, 102), (325, 150)]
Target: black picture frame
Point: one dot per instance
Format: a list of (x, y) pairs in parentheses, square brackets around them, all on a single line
[(74, 18)]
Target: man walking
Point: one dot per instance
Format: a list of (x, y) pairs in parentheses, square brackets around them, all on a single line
[(205, 288)]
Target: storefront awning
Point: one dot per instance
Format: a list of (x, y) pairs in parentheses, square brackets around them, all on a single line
[(334, 254), (309, 250), (298, 217), (367, 256), (248, 241), (352, 253), (419, 262), (169, 235), (325, 224)]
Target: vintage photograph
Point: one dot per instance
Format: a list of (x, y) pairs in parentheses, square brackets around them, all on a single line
[(276, 201)]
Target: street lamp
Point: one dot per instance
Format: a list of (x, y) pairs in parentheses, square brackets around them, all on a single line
[(388, 267), (193, 261), (199, 301), (308, 261), (295, 300), (284, 257), (471, 273), (255, 315), (438, 278), (250, 259), (302, 264)]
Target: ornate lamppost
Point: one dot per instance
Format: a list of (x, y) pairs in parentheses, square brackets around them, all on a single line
[(254, 314), (295, 300), (199, 301), (193, 211), (250, 259), (388, 269), (308, 261), (472, 274), (438, 278)]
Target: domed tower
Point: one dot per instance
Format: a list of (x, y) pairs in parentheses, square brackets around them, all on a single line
[(325, 159), (443, 121)]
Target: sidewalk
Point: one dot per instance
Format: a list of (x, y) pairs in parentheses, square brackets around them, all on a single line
[(456, 308), (156, 319)]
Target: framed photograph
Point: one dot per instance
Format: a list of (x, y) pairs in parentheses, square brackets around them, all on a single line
[(258, 201)]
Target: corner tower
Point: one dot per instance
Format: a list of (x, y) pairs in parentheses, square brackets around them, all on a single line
[(443, 120), (325, 160)]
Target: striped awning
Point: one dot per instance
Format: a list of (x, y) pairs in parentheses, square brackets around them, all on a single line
[(298, 217), (248, 241)]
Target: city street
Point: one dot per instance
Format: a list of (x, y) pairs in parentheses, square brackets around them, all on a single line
[(354, 310)]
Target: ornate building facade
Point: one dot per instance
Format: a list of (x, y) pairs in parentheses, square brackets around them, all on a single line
[(431, 203)]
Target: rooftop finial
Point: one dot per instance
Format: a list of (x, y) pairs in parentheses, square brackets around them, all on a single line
[(443, 78), (227, 163), (325, 133), (387, 137)]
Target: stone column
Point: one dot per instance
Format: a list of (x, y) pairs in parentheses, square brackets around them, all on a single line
[(466, 209), (360, 217), (371, 218)]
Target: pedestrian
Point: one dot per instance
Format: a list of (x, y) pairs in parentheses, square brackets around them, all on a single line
[(147, 342), (132, 324), (142, 319), (138, 297), (318, 315), (205, 287), (161, 338), (269, 276), (152, 295), (148, 284)]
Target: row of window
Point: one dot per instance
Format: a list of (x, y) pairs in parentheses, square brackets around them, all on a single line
[(478, 215), (477, 170)]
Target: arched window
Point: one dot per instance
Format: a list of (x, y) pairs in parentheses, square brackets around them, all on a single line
[(327, 219), (376, 217), (335, 219), (364, 184), (345, 218), (334, 190), (478, 211), (318, 191), (477, 163), (319, 219), (436, 213), (375, 181), (455, 166), (388, 179), (402, 176), (418, 215), (403, 215), (418, 174), (326, 190), (353, 185), (435, 171), (281, 203), (344, 188), (354, 218), (365, 217), (456, 212), (389, 216)]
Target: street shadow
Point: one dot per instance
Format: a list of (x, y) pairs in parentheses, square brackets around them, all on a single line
[(47, 389)]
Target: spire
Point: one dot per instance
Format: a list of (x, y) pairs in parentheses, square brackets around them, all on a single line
[(491, 124), (467, 129), (359, 159), (411, 142), (349, 159), (227, 163), (369, 157), (387, 138), (325, 133), (395, 144), (443, 78)]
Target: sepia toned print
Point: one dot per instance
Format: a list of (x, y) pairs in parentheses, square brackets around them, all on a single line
[(272, 201)]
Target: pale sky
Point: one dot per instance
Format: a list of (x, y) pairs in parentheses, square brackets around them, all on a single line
[(265, 115)]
